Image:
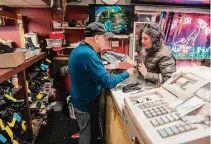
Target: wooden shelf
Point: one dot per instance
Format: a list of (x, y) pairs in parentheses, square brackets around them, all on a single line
[(8, 15), (71, 28), (5, 74), (60, 58)]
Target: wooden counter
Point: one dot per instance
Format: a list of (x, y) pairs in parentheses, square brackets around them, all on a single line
[(116, 132)]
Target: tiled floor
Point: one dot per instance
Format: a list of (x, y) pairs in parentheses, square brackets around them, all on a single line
[(59, 128)]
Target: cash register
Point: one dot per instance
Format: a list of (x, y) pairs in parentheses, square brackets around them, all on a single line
[(177, 112)]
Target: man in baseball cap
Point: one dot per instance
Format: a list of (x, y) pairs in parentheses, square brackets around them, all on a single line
[(97, 36), (88, 77), (97, 28)]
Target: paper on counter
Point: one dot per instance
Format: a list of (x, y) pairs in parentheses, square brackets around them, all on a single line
[(190, 105), (119, 98)]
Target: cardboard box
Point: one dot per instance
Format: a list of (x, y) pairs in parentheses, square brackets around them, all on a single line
[(9, 60), (65, 24)]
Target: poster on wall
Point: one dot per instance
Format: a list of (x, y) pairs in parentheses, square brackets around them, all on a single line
[(116, 18), (189, 36)]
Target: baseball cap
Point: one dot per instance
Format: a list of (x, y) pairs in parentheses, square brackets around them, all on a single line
[(97, 28)]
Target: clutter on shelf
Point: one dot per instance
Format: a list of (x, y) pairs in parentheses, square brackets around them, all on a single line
[(12, 126), (57, 39), (70, 23), (9, 43)]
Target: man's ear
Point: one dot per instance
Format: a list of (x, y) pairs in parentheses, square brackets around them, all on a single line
[(96, 38)]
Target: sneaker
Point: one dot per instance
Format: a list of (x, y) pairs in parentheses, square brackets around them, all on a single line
[(75, 135)]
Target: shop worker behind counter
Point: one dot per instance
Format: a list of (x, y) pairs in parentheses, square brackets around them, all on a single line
[(159, 64), (88, 76)]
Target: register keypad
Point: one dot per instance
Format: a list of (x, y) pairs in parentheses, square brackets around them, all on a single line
[(174, 130), (160, 114), (164, 119), (158, 111), (151, 104)]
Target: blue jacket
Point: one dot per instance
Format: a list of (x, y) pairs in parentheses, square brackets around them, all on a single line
[(88, 76)]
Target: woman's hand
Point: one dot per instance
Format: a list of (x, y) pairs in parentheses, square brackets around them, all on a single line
[(142, 69)]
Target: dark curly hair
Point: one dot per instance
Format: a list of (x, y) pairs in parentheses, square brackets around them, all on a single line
[(156, 34)]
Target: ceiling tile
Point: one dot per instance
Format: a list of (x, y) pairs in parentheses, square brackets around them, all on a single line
[(16, 2)]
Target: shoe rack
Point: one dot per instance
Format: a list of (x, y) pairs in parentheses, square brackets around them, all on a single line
[(21, 92)]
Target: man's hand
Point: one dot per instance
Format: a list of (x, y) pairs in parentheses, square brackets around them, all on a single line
[(131, 71), (142, 69)]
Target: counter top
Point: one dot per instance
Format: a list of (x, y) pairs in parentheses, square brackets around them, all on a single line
[(118, 95)]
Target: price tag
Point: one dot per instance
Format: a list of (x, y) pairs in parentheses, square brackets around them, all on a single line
[(27, 87), (23, 125), (10, 97), (11, 124), (9, 131), (49, 61), (17, 117), (2, 125), (39, 96), (2, 139), (15, 142), (44, 66), (46, 77)]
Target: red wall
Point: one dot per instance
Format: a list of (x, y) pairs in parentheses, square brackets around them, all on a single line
[(10, 33), (76, 13), (36, 19), (40, 20)]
